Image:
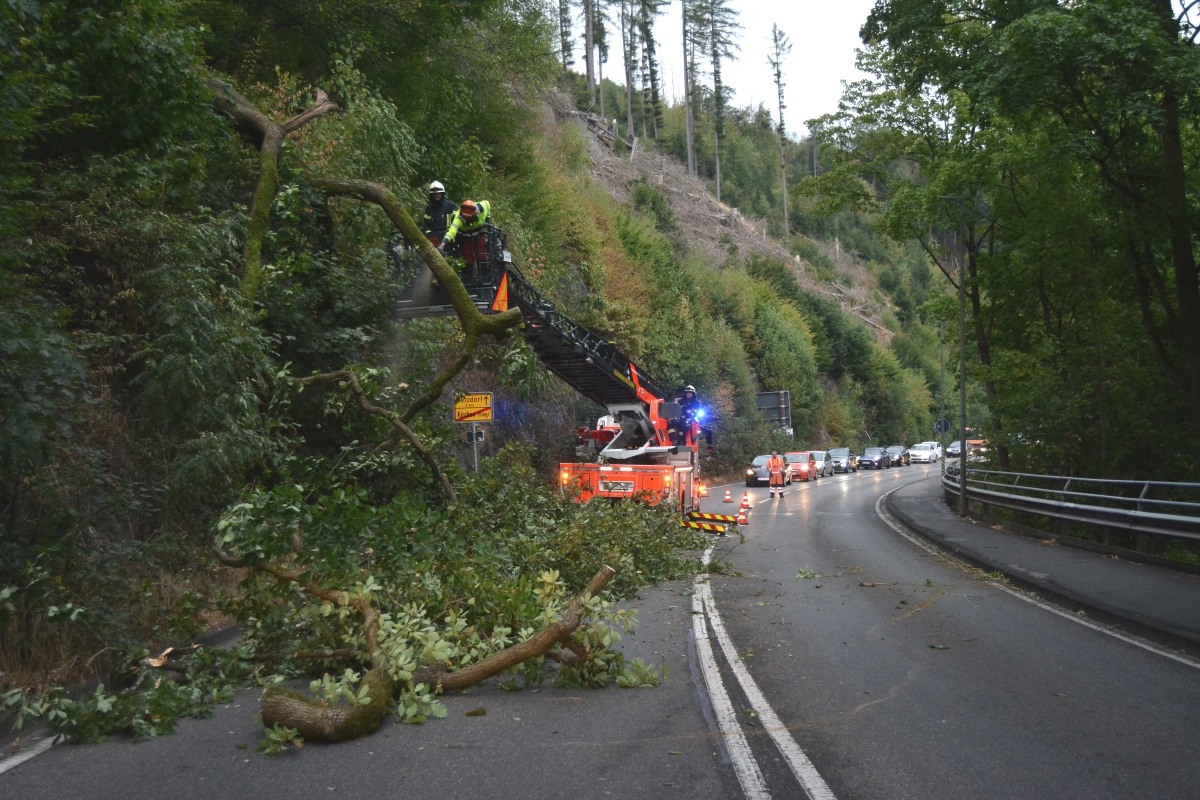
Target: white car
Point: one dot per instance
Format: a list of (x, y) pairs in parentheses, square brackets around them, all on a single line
[(922, 454)]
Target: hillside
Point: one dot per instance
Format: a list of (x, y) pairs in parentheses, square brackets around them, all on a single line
[(715, 230)]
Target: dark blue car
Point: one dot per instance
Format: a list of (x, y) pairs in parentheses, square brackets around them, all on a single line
[(874, 458)]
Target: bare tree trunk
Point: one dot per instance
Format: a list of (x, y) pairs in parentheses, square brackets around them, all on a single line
[(689, 121), (629, 48), (717, 161), (589, 46)]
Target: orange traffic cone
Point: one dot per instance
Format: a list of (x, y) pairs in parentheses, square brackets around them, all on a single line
[(742, 519), (728, 496), (703, 490), (746, 500)]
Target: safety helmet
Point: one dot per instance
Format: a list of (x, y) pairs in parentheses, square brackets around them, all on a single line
[(468, 208), (690, 388), (437, 188)]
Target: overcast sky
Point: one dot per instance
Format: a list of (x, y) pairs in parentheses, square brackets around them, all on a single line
[(823, 34)]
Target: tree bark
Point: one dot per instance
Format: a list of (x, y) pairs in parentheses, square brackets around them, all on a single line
[(270, 145), (317, 721)]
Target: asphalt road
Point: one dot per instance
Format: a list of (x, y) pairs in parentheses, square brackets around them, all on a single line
[(901, 674), (829, 656)]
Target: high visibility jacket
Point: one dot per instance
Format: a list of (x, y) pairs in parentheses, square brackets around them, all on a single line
[(460, 225), (775, 464)]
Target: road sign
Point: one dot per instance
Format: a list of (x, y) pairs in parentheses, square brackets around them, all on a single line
[(473, 407), (942, 426)]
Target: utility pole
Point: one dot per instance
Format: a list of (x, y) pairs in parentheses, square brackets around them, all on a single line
[(962, 383), (960, 252)]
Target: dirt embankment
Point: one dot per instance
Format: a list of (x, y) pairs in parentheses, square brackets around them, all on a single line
[(717, 231)]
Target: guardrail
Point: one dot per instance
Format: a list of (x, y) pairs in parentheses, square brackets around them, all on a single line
[(1156, 508)]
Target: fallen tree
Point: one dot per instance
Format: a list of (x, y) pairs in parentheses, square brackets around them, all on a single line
[(320, 721), (300, 542)]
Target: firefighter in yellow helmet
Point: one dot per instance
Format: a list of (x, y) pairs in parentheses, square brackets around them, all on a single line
[(468, 225)]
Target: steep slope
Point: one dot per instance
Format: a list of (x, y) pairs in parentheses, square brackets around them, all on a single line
[(717, 231)]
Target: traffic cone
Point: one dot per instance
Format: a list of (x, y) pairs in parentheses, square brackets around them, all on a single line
[(746, 499), (703, 490), (728, 496), (742, 519)]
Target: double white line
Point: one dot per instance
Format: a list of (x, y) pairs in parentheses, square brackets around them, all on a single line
[(705, 617)]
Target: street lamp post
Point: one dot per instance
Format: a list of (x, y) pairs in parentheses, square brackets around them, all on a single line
[(962, 385), (960, 251)]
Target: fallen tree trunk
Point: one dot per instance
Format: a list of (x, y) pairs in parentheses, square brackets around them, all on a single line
[(537, 645), (320, 722), (317, 721)]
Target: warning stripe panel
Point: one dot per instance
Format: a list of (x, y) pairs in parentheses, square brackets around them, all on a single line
[(703, 526), (699, 515)]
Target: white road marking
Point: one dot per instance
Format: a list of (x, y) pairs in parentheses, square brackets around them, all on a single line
[(1087, 623), (744, 766), (704, 605), (21, 758)]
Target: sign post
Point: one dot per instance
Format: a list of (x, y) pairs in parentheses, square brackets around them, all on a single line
[(473, 408)]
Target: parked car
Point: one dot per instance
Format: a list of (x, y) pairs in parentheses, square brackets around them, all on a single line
[(804, 466), (922, 453), (756, 473), (874, 458), (843, 460), (898, 453), (824, 462)]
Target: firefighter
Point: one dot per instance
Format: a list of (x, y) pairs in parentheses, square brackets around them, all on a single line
[(691, 411), (438, 214), (775, 465), (469, 223)]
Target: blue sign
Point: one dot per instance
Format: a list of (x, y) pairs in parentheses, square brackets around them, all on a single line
[(942, 426)]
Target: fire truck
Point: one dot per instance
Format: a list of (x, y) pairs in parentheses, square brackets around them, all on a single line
[(643, 447)]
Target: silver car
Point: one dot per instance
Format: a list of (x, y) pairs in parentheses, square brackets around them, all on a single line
[(824, 463), (922, 453), (843, 460)]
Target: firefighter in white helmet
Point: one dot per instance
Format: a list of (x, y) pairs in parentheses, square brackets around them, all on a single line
[(438, 214)]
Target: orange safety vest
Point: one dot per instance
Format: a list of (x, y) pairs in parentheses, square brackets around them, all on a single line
[(775, 464)]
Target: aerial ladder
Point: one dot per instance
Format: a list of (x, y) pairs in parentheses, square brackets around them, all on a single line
[(642, 447)]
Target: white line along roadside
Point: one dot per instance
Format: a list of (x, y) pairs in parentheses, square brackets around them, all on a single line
[(882, 513), (704, 607), (21, 758), (744, 765)]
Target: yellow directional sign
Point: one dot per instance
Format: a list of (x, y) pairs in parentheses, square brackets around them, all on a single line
[(473, 407)]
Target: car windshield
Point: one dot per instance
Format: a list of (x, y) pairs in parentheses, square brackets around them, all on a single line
[(895, 448), (873, 451), (839, 452), (819, 456), (759, 461), (794, 458), (919, 447)]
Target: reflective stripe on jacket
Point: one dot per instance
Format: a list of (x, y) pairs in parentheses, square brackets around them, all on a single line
[(459, 225)]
